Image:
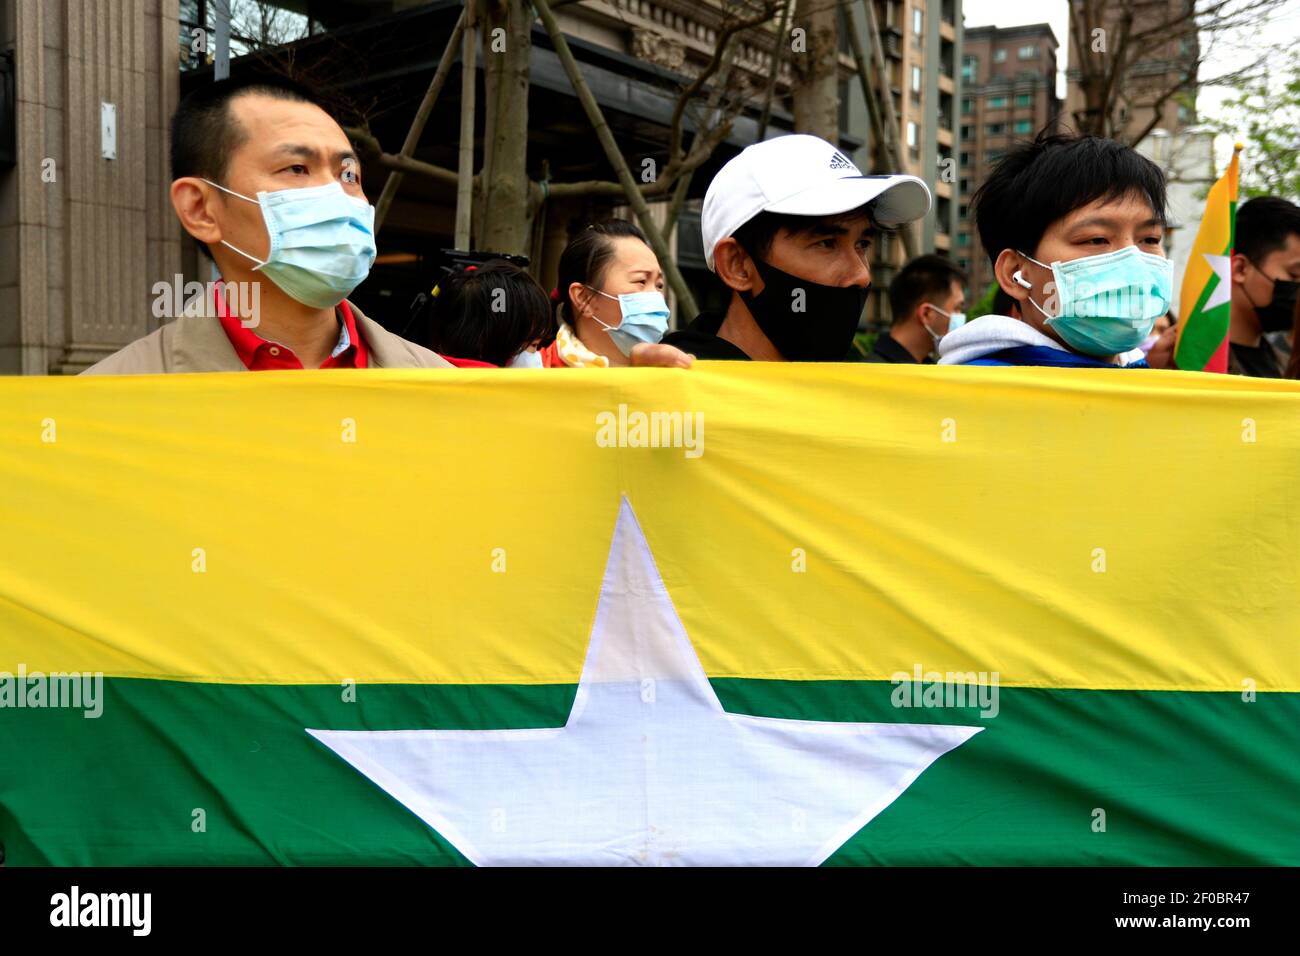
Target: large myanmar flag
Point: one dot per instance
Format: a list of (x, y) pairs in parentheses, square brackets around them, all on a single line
[(447, 617), (1205, 300)]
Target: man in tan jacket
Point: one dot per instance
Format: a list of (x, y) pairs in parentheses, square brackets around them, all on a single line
[(309, 231)]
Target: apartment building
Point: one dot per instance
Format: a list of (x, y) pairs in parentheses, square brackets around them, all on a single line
[(921, 41), (1008, 94)]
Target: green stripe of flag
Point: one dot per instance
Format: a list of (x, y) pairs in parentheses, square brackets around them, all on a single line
[(1184, 778)]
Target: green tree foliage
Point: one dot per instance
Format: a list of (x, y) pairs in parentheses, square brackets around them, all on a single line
[(1266, 117), (984, 305)]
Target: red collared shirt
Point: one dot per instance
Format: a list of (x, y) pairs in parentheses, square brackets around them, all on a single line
[(259, 355)]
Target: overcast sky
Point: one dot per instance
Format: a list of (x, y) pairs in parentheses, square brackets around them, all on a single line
[(1225, 55)]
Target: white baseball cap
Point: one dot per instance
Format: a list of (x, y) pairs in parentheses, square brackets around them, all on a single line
[(801, 175)]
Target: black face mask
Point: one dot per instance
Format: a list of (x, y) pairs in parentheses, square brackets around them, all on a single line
[(1279, 314), (806, 321)]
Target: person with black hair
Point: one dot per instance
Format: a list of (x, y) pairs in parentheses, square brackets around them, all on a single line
[(928, 300), (1265, 276), (1074, 228), (269, 185), (609, 302), (788, 226), (493, 314)]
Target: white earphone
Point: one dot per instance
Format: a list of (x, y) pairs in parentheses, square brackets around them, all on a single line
[(1021, 280)]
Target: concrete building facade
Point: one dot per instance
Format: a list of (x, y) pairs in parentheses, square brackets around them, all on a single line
[(1009, 96), (85, 223), (921, 41)]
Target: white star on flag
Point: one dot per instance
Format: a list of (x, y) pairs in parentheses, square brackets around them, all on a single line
[(1222, 266), (649, 769)]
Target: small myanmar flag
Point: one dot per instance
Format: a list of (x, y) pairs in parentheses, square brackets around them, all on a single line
[(1205, 301), (747, 613)]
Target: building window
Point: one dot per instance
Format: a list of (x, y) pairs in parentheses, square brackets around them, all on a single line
[(997, 102), (1024, 99), (965, 159), (1024, 126), (999, 56), (911, 134), (1184, 114), (967, 132), (916, 79), (967, 105), (969, 64), (964, 185), (994, 155), (995, 129), (1027, 53), (918, 23), (963, 238)]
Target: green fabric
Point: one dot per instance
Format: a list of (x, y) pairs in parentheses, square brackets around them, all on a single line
[(1184, 778)]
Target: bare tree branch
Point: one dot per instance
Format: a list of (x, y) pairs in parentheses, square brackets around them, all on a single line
[(1137, 35), (728, 30), (778, 52), (421, 117)]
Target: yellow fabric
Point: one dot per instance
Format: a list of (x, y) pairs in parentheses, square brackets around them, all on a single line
[(373, 560), (573, 353)]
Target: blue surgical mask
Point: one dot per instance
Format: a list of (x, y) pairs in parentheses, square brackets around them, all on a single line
[(526, 359), (955, 321), (322, 242), (645, 318), (1108, 303)]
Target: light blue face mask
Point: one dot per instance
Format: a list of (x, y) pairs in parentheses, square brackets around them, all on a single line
[(645, 318), (322, 241), (955, 321), (1108, 303)]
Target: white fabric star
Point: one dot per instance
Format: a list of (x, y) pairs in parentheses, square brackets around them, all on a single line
[(1222, 267), (649, 769)]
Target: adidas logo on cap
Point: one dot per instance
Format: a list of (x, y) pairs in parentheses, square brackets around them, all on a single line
[(840, 161)]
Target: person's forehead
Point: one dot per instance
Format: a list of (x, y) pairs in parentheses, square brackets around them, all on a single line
[(1289, 254), (631, 253), (269, 122), (1128, 209)]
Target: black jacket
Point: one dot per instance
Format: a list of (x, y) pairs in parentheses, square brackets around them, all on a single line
[(888, 349), (700, 338)]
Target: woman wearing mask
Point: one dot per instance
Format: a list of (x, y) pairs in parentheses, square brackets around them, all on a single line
[(609, 303)]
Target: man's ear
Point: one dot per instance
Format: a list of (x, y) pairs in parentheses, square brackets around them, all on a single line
[(192, 199), (1005, 267), (733, 265), (1239, 264)]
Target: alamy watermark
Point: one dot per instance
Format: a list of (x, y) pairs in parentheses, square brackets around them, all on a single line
[(637, 429), (57, 689), (178, 297), (75, 908), (946, 689)]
